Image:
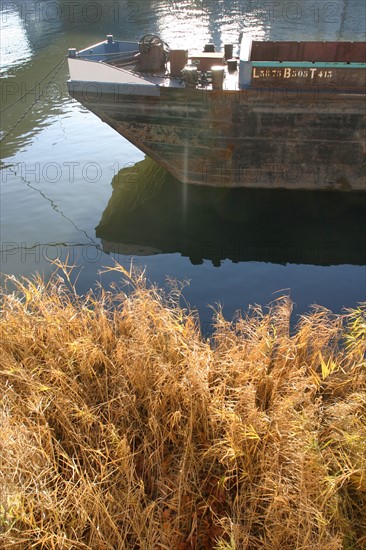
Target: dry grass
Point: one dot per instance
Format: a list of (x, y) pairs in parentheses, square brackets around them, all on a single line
[(121, 427)]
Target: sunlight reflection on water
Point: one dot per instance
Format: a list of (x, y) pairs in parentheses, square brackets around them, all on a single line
[(15, 46)]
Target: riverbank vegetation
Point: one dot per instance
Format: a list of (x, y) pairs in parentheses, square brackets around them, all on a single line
[(122, 426)]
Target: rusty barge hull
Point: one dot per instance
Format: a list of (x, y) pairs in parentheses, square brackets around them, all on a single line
[(255, 138), (281, 115)]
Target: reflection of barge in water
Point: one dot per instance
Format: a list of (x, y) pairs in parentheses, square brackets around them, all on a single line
[(291, 115), (150, 212)]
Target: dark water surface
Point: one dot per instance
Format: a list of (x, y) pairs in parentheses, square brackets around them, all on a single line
[(63, 171)]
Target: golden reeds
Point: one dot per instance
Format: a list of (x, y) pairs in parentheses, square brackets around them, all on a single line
[(121, 426)]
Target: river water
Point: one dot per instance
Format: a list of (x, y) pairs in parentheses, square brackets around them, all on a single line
[(59, 162)]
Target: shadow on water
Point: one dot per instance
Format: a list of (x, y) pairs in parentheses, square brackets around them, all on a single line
[(151, 212)]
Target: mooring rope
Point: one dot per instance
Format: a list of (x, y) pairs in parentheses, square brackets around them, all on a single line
[(57, 69), (32, 89), (54, 206), (133, 53)]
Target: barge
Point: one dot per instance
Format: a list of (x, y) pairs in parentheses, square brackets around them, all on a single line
[(279, 115)]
